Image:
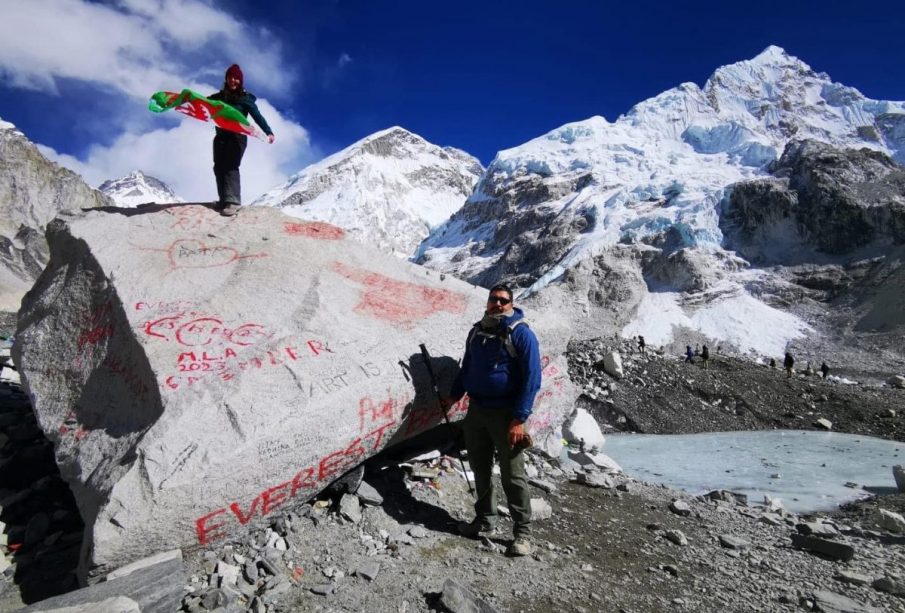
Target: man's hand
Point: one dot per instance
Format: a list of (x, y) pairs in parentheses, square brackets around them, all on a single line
[(517, 435), (270, 138)]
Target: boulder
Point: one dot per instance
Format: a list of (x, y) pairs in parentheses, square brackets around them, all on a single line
[(612, 365), (581, 426), (896, 381), (898, 473), (197, 373)]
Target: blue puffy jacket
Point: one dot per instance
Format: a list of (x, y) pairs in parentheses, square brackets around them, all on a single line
[(495, 379)]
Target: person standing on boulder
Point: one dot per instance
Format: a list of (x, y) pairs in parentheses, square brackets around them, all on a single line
[(229, 147), (824, 369), (641, 344), (789, 364), (705, 355), (689, 355), (501, 372)]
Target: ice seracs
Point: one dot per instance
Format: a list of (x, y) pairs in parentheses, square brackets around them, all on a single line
[(589, 205)]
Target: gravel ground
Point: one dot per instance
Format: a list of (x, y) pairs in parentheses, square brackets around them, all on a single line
[(618, 547)]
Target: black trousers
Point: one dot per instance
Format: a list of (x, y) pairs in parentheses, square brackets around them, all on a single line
[(229, 148)]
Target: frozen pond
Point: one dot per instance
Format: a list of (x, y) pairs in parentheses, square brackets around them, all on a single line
[(807, 470)]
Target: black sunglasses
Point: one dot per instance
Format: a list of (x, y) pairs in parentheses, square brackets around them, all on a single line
[(499, 299)]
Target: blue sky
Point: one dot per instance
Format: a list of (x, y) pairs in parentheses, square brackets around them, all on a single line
[(481, 76)]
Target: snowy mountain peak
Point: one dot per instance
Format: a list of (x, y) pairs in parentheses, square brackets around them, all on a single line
[(388, 189), (138, 188), (629, 212)]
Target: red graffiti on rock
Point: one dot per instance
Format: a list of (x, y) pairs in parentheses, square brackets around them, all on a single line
[(399, 302), (314, 229), (217, 524)]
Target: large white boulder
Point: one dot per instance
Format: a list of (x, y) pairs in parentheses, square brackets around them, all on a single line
[(198, 373), (581, 426)]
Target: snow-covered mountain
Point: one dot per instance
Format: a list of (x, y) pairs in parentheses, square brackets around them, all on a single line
[(620, 222), (389, 189), (138, 188)]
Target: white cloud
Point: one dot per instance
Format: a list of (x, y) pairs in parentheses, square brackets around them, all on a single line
[(136, 47), (131, 48), (182, 157)]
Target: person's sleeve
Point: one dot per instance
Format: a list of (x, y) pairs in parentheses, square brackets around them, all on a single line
[(529, 359), (458, 386), (259, 119), (215, 96)]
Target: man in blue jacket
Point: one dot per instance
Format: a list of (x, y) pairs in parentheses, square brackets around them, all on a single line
[(501, 372)]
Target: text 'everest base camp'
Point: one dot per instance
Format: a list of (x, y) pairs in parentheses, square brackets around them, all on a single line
[(196, 384)]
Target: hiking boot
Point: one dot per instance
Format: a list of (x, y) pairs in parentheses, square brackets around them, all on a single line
[(521, 546), (474, 529), (229, 210)]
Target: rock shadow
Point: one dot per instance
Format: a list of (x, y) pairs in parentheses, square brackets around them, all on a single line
[(43, 527), (384, 474), (148, 207)]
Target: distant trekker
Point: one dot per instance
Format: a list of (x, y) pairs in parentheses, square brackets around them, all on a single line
[(773, 363), (705, 355), (689, 355), (824, 369), (789, 364), (641, 344)]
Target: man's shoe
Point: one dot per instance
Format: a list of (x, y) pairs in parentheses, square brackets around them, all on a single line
[(521, 546), (229, 210), (474, 529)]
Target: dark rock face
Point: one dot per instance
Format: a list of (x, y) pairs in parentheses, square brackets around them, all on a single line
[(532, 236), (835, 202)]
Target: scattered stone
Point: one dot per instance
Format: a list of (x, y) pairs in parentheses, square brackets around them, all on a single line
[(676, 536), (323, 589), (890, 584), (727, 496), (368, 570), (424, 472), (891, 521), (155, 587), (594, 479), (824, 424), (831, 549), (831, 602), (229, 574), (733, 542), (898, 473), (680, 507), (417, 532), (459, 599), (896, 381), (350, 508), (368, 495), (540, 509), (604, 462), (847, 576), (816, 528)]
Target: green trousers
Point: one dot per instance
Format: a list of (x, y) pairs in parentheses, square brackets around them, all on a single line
[(486, 431)]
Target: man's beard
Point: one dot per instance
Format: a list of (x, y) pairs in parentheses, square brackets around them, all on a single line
[(491, 321)]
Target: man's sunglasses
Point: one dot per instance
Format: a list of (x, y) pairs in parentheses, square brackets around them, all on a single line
[(499, 299)]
